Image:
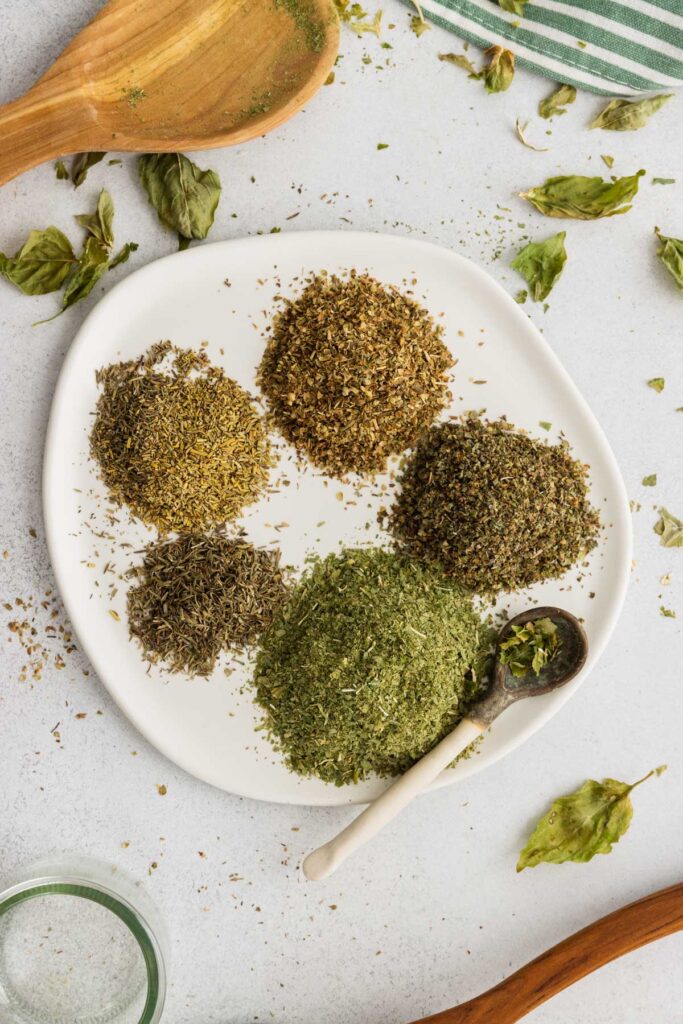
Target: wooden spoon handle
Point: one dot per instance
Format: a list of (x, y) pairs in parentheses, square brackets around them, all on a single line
[(43, 124), (627, 929)]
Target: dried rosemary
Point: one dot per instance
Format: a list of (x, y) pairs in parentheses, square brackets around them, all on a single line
[(373, 659), (198, 595), (355, 371), (183, 446), (495, 508)]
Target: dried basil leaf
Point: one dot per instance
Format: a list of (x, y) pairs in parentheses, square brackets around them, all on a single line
[(512, 6), (628, 115), (92, 263), (582, 824), (520, 129), (670, 530), (541, 264), (583, 198), (557, 101), (60, 171), (670, 253), (501, 69), (462, 61), (184, 196), (100, 224), (123, 254), (42, 264), (657, 384), (81, 164)]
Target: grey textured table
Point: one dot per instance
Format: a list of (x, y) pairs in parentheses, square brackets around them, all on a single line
[(437, 912)]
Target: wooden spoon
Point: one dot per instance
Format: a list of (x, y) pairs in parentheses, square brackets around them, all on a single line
[(627, 929), (504, 690), (167, 75)]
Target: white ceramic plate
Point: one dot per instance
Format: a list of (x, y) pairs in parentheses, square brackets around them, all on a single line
[(207, 726)]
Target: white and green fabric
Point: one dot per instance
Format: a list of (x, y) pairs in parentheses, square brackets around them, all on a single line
[(603, 46)]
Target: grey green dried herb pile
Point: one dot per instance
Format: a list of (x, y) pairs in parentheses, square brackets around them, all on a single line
[(373, 659), (354, 372), (496, 509), (184, 447), (199, 595)]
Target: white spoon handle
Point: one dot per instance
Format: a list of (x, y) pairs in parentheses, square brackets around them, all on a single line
[(326, 859)]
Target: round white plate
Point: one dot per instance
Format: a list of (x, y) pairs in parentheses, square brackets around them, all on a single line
[(223, 294)]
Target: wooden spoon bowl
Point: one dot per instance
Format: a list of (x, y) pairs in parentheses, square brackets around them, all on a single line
[(167, 75)]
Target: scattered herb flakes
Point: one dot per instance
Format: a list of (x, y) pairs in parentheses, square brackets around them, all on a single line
[(500, 70), (628, 115), (418, 25), (520, 129), (521, 296), (607, 160), (668, 613), (61, 172), (530, 647), (663, 181), (201, 594), (541, 263), (43, 263), (161, 789), (583, 198), (461, 60), (670, 253), (353, 15), (330, 79), (545, 424), (650, 481), (373, 660), (512, 6), (657, 384), (557, 101), (184, 196), (81, 164), (354, 372), (584, 823), (496, 509), (134, 96), (382, 145), (185, 449), (670, 530)]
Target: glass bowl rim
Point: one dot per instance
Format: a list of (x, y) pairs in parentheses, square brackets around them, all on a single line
[(85, 888)]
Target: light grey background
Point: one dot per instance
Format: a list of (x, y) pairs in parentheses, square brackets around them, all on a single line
[(436, 913)]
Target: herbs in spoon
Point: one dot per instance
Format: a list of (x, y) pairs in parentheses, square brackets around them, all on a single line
[(530, 647)]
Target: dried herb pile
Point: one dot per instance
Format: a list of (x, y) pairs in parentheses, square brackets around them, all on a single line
[(184, 447), (373, 659), (198, 595), (354, 372), (496, 509)]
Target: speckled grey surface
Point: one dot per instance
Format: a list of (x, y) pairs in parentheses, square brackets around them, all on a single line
[(436, 913)]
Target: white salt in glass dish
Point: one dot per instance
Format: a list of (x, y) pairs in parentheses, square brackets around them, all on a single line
[(81, 943)]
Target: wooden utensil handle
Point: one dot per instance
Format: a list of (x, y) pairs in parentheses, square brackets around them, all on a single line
[(40, 126), (627, 929)]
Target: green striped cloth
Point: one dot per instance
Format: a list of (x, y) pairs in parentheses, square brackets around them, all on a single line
[(603, 46)]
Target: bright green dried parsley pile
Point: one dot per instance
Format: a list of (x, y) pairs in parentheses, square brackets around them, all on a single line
[(354, 372), (372, 661), (494, 508)]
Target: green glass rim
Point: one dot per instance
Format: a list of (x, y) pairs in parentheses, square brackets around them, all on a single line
[(131, 918)]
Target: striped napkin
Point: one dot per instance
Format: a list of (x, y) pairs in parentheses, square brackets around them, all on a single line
[(603, 46)]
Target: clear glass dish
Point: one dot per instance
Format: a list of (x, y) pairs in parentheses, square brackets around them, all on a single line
[(80, 943)]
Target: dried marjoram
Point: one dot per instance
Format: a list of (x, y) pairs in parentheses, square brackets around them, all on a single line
[(496, 509), (354, 372), (183, 445), (373, 659), (201, 594)]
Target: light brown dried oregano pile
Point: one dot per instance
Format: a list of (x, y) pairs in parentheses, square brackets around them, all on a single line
[(355, 371), (183, 445)]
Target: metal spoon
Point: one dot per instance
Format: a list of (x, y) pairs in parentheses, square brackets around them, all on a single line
[(504, 690)]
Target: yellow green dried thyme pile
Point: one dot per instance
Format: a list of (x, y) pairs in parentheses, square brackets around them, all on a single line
[(198, 595), (183, 445), (354, 372), (496, 509), (373, 659)]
